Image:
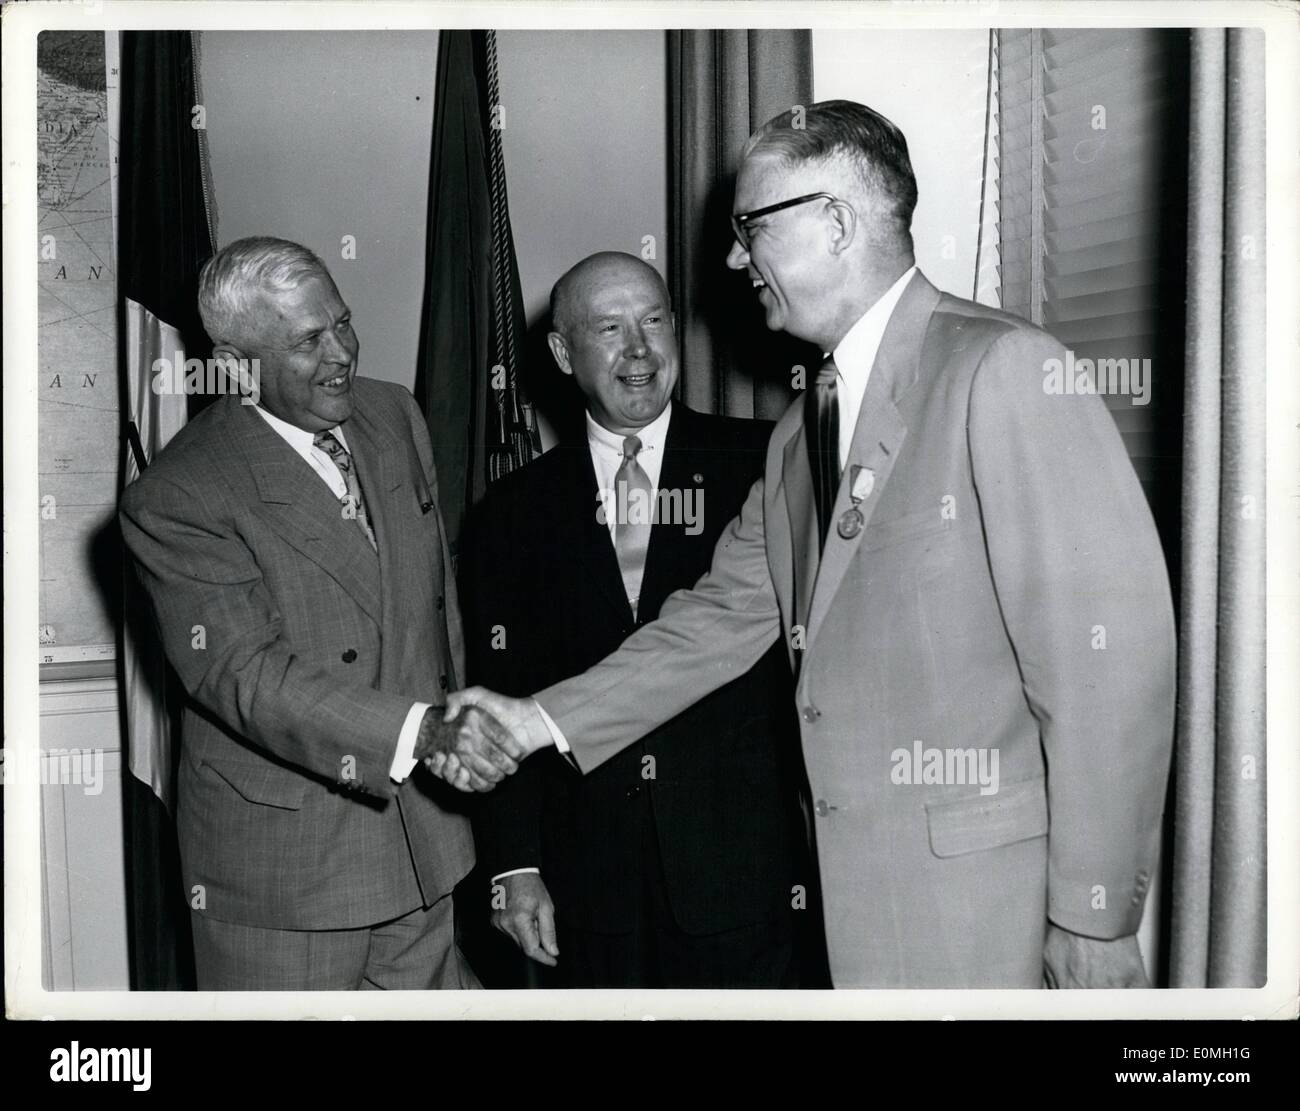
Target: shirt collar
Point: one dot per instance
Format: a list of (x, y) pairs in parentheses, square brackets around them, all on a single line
[(651, 436), (856, 352), (297, 438)]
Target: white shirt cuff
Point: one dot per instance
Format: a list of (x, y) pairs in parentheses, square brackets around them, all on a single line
[(404, 759), (560, 743), (515, 872)]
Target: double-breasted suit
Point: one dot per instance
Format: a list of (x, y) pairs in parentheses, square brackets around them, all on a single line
[(1004, 600), (302, 650)]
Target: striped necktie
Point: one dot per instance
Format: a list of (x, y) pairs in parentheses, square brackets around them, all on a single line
[(330, 445), (822, 429), (633, 523)]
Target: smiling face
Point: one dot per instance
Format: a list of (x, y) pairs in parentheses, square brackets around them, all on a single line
[(614, 334), (307, 353), (790, 259)]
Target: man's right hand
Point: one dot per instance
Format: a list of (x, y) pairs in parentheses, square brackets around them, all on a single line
[(521, 716), (528, 917), (470, 750)]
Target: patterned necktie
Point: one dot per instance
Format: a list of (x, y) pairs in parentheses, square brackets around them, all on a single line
[(329, 444), (632, 524), (821, 421)]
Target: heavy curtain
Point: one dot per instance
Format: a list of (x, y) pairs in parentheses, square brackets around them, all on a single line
[(1220, 907), (722, 86)]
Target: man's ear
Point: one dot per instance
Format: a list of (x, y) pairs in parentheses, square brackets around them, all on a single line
[(844, 226), (559, 351), (230, 359)]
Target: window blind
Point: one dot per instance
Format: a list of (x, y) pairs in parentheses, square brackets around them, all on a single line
[(1092, 182)]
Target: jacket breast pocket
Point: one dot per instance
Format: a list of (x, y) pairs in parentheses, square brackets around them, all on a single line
[(263, 784), (911, 526), (1018, 812)]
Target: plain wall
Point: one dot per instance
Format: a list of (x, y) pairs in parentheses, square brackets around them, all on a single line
[(586, 148), (932, 84), (586, 152), (317, 135)]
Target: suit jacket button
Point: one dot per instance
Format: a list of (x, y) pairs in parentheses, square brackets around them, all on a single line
[(822, 807), (349, 655), (442, 682), (439, 603)]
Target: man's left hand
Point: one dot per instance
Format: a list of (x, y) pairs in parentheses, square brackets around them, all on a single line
[(1074, 961)]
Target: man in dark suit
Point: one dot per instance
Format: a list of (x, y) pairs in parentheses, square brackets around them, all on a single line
[(961, 566), (674, 864), (297, 566)]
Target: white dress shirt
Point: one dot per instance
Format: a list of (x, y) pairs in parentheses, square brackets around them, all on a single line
[(607, 456), (304, 443), (855, 355)]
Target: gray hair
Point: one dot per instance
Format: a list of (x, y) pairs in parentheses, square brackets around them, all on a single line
[(236, 274), (873, 145)]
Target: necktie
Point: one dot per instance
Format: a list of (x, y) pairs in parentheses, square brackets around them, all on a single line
[(822, 428), (634, 500), (330, 445)]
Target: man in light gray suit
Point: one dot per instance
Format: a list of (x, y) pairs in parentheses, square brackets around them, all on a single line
[(970, 589), (298, 569)]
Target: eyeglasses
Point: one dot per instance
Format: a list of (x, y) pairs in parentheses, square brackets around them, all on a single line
[(740, 220)]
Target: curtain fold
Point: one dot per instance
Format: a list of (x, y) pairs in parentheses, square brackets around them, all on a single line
[(723, 85), (473, 327), (1219, 923)]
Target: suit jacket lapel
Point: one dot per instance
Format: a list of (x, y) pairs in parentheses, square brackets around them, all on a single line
[(669, 543), (303, 510), (590, 537), (877, 439)]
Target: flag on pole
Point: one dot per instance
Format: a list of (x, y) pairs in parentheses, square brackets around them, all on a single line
[(472, 330), (165, 234)]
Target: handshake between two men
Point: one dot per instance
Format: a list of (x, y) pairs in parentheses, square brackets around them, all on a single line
[(480, 738)]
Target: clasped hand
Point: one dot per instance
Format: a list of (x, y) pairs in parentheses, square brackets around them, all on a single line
[(480, 739)]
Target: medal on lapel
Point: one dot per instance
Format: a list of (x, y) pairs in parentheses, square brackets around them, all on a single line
[(860, 487)]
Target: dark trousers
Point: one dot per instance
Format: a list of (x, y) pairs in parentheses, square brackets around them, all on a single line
[(657, 953)]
